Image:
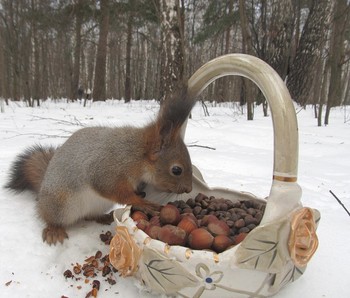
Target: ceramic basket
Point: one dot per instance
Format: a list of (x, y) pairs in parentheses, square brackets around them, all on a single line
[(272, 255)]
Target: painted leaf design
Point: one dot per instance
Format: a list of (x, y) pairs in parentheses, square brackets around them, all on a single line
[(265, 248), (164, 275), (289, 274)]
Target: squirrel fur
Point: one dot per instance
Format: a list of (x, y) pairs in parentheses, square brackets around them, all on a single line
[(100, 166)]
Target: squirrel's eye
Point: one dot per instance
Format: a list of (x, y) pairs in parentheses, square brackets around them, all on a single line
[(176, 170)]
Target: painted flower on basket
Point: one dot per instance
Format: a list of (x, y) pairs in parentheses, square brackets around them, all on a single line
[(303, 240), (124, 253)]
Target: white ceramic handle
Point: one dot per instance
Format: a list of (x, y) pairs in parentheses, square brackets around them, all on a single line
[(277, 95)]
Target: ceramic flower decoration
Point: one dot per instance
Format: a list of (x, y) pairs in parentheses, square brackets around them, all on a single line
[(303, 240), (124, 253)]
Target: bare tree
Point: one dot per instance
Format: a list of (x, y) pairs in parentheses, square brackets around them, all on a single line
[(2, 66), (337, 48), (128, 51), (78, 9), (247, 48), (99, 89), (301, 73), (172, 45)]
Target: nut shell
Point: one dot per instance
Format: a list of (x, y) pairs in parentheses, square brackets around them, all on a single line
[(155, 221), (152, 231), (169, 214), (188, 224), (219, 227), (142, 224), (208, 219), (172, 235), (200, 239), (239, 238), (138, 215), (221, 243)]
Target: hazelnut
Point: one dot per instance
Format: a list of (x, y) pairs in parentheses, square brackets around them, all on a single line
[(219, 227), (240, 237), (138, 215), (172, 235), (200, 239), (208, 219), (187, 210), (152, 231), (191, 215), (155, 221), (169, 214), (188, 224), (249, 219), (240, 223), (142, 224), (221, 243)]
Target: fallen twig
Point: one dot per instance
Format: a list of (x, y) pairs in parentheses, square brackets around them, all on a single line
[(61, 121), (200, 146), (340, 202), (206, 147)]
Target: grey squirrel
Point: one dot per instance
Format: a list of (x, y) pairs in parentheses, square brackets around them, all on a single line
[(100, 166)]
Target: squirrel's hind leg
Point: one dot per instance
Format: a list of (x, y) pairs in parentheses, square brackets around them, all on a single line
[(51, 208)]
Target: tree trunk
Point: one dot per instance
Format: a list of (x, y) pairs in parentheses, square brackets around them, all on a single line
[(44, 65), (172, 46), (303, 68), (99, 88), (37, 78), (127, 94), (225, 81), (336, 56), (248, 49), (2, 66), (323, 94), (281, 34), (78, 11)]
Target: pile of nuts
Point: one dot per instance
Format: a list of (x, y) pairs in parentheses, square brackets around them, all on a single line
[(92, 267), (203, 222)]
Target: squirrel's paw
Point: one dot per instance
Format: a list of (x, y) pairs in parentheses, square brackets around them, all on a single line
[(52, 234), (148, 208)]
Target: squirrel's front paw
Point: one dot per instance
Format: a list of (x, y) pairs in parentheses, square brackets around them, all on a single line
[(150, 208), (52, 234)]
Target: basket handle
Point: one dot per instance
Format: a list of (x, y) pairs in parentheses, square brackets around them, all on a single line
[(285, 167)]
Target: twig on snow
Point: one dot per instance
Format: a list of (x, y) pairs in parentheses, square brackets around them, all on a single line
[(76, 120), (340, 202), (200, 146)]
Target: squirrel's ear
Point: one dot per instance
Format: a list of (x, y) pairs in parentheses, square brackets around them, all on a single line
[(162, 136), (167, 133)]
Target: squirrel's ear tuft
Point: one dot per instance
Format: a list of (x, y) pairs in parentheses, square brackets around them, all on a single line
[(174, 111)]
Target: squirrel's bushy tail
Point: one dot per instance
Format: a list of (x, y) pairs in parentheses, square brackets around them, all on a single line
[(29, 168)]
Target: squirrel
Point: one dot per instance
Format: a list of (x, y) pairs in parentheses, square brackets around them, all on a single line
[(98, 167)]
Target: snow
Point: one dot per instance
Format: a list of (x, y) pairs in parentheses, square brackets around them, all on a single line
[(242, 161)]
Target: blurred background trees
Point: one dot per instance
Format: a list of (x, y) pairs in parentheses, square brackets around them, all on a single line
[(138, 49)]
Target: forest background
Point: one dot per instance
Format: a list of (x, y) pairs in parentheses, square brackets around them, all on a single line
[(140, 49)]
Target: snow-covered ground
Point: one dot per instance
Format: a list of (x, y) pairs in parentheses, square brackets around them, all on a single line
[(242, 161)]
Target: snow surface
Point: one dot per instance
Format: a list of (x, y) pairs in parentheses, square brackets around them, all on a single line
[(242, 161)]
